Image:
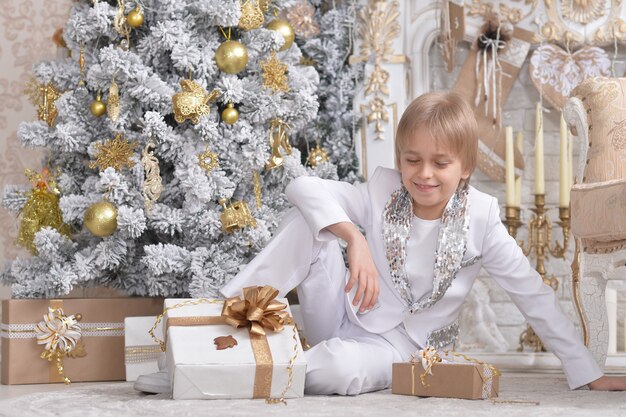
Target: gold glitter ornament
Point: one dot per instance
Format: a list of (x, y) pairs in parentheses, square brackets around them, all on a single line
[(135, 17), (301, 17), (192, 102), (41, 210), (274, 73), (101, 219), (231, 57), (97, 107), (251, 15), (236, 216), (230, 114), (285, 29), (208, 161), (152, 184), (257, 189), (317, 156), (115, 153)]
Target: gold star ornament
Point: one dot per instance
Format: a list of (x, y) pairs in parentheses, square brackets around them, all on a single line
[(274, 74), (115, 153)]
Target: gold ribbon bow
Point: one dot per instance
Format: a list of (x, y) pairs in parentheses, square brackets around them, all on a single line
[(258, 309)]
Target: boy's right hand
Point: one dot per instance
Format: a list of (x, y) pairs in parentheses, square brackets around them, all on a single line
[(363, 272)]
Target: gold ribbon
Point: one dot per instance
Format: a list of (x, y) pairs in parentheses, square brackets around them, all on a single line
[(260, 312), (427, 357)]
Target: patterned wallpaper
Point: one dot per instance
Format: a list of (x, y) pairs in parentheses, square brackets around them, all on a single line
[(26, 29)]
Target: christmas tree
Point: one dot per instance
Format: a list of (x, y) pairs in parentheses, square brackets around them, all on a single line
[(325, 34), (168, 133)]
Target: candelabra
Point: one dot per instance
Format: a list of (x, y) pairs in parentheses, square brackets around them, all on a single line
[(539, 245)]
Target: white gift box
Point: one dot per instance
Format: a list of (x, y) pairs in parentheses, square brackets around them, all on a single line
[(198, 370), (141, 352)]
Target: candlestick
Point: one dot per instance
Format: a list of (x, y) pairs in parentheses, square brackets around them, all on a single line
[(541, 246), (540, 185), (564, 180), (509, 165)]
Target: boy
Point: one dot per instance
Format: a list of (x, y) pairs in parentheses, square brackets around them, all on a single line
[(428, 234)]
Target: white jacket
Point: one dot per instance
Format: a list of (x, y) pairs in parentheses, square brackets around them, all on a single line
[(325, 202)]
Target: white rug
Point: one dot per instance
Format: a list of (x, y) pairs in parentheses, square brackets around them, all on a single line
[(524, 395)]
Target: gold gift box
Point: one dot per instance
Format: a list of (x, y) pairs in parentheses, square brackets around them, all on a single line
[(448, 380), (100, 356)]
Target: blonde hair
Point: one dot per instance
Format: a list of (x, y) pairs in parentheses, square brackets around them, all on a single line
[(450, 121)]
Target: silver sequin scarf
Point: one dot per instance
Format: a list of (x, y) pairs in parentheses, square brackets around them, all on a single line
[(451, 243)]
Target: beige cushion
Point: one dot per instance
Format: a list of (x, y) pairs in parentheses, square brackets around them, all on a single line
[(598, 214), (605, 102)]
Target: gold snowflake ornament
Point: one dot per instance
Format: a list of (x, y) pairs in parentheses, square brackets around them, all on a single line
[(208, 161), (274, 74), (115, 153)]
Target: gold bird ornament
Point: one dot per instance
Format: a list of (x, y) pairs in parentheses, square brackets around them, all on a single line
[(192, 102)]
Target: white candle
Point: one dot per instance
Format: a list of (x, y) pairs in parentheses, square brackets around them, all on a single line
[(570, 148), (611, 310), (564, 178), (509, 167), (519, 143), (540, 183)]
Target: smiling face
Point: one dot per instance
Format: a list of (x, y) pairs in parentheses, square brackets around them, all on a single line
[(431, 173)]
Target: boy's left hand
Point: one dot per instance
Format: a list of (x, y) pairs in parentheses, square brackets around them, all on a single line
[(609, 383)]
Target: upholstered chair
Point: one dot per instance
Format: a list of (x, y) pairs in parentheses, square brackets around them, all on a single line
[(596, 113)]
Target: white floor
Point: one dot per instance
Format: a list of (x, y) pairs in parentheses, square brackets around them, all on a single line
[(521, 394)]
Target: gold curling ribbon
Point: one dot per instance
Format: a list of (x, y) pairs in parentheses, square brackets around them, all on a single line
[(53, 372), (259, 310)]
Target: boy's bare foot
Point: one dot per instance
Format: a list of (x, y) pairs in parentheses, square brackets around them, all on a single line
[(609, 383)]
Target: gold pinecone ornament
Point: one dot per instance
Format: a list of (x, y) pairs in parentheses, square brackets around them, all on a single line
[(101, 218), (285, 29), (231, 57)]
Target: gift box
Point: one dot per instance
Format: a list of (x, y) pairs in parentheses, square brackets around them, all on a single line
[(83, 338), (470, 381), (141, 351), (208, 358)]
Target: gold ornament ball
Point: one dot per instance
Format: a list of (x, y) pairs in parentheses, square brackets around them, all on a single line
[(284, 28), (98, 108), (231, 57), (135, 17), (101, 219), (230, 114)]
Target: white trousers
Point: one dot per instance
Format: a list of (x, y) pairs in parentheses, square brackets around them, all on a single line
[(345, 359)]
